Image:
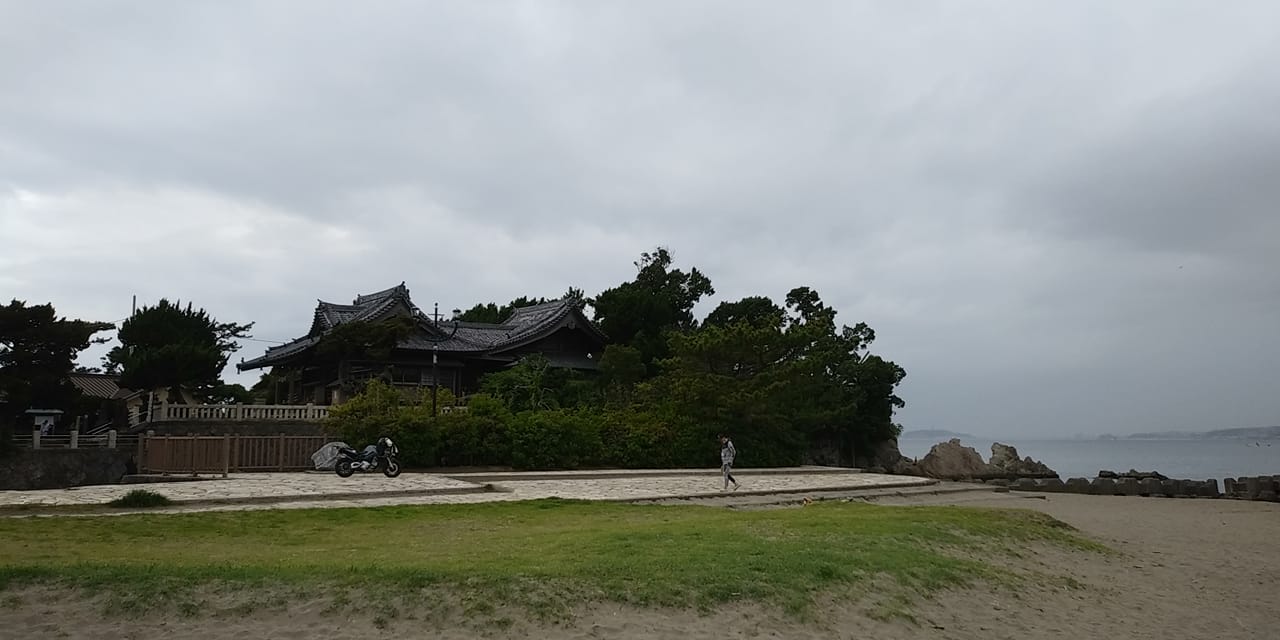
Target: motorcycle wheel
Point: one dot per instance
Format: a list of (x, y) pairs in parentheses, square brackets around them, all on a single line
[(392, 469), (344, 469)]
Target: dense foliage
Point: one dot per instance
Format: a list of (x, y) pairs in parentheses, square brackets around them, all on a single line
[(170, 347), (494, 314), (788, 382), (37, 351), (642, 312)]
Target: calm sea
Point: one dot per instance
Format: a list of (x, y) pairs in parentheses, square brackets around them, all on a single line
[(1182, 459)]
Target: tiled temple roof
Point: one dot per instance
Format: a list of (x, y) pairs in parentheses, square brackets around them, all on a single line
[(525, 324), (95, 385)]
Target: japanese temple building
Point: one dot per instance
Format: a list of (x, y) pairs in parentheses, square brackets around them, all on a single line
[(465, 351)]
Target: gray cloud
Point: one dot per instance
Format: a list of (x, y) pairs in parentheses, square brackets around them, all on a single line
[(1057, 218)]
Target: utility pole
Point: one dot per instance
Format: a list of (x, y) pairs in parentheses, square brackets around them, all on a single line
[(436, 338)]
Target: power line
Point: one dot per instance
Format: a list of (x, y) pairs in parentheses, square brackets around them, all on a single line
[(117, 322)]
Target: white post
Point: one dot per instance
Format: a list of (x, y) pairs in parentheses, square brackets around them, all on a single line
[(35, 438), (311, 411), (75, 438), (111, 438)]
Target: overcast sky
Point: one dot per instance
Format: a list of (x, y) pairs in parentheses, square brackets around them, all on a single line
[(1059, 217)]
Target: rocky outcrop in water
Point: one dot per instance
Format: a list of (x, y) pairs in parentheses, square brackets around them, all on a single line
[(954, 461), (1132, 473), (887, 458), (1005, 459)]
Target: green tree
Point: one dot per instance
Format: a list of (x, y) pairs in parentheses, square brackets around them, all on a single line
[(264, 390), (171, 347), (732, 380), (785, 385), (488, 313), (621, 369), (849, 394), (230, 394), (758, 310), (530, 384), (37, 351), (493, 314), (364, 340), (639, 313)]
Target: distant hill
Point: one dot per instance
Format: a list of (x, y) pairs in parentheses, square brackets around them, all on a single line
[(1165, 435), (1259, 433), (1244, 433), (935, 433)]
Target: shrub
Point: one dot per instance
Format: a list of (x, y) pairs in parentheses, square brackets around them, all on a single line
[(469, 440), (637, 440), (141, 498), (382, 410), (559, 439)]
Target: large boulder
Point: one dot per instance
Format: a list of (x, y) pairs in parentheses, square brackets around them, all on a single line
[(1151, 486), (886, 457), (954, 461), (1005, 461)]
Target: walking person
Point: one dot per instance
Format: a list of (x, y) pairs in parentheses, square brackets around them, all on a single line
[(727, 454)]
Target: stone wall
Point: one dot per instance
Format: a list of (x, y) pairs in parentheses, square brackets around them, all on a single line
[(25, 470), (1121, 487), (1153, 484), (1254, 488)]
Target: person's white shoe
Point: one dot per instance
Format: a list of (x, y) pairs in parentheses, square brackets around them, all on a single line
[(735, 486)]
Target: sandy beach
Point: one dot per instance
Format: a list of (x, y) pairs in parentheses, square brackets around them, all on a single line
[(1185, 569)]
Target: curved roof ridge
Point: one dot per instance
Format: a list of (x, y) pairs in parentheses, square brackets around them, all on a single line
[(535, 313), (376, 296)]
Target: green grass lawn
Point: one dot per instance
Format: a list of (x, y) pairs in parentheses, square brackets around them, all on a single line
[(547, 554)]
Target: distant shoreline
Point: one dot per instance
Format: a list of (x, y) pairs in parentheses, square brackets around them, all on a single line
[(1247, 434), (936, 433)]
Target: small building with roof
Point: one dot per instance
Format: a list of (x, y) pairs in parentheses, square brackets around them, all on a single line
[(464, 351)]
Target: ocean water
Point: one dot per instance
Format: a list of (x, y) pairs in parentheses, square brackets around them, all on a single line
[(1182, 459)]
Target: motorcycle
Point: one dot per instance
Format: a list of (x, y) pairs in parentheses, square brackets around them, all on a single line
[(380, 456)]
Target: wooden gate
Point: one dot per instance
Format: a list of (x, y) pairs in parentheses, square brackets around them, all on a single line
[(195, 455)]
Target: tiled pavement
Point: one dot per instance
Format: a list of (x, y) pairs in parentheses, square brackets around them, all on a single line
[(311, 490)]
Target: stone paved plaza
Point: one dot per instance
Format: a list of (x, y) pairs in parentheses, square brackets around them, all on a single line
[(314, 489)]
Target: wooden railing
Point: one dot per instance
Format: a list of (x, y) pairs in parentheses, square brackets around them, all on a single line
[(75, 440), (165, 412), (195, 455)]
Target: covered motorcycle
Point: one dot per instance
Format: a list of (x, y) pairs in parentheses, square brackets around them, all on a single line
[(327, 456)]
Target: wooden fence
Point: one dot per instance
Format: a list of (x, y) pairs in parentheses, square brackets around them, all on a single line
[(195, 455)]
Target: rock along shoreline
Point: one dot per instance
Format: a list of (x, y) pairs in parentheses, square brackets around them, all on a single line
[(953, 461)]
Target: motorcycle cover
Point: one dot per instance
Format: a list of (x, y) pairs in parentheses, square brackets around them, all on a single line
[(327, 456)]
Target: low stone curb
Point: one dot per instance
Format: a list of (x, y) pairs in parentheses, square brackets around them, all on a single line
[(350, 495), (152, 478), (768, 492), (606, 474)]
